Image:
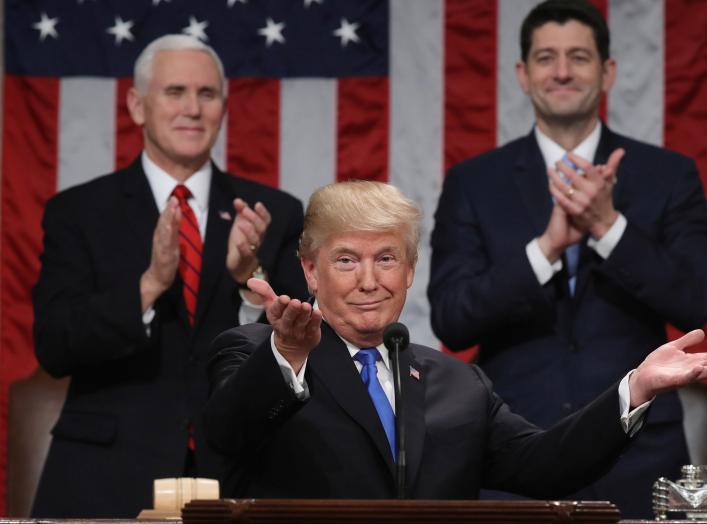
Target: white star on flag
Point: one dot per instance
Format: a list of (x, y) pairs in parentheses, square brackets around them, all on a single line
[(46, 27), (272, 32), (307, 3), (121, 30), (157, 2), (347, 32), (231, 3), (196, 29)]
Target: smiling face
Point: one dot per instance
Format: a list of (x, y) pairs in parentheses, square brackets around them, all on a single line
[(182, 110), (360, 280), (564, 75)]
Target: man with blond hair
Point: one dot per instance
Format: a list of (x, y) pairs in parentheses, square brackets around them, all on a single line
[(140, 270), (303, 408)]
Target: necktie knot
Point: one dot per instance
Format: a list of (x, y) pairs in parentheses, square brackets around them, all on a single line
[(367, 356), (182, 193)]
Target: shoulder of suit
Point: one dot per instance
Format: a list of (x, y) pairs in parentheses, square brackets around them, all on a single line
[(499, 156), (95, 190), (643, 152), (251, 190)]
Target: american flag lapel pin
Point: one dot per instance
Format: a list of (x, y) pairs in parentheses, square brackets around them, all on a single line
[(414, 373), (225, 215)]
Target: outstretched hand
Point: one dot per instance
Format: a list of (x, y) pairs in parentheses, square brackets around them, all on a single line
[(668, 367), (296, 324)]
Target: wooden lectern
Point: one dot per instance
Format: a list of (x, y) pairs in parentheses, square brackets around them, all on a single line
[(254, 511)]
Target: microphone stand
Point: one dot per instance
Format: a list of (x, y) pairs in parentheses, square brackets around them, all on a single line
[(400, 464)]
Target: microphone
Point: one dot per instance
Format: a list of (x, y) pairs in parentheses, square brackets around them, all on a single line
[(396, 338)]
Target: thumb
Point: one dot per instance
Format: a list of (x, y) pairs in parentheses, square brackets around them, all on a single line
[(262, 288), (692, 338)]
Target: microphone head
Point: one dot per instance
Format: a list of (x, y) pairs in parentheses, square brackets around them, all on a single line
[(396, 334)]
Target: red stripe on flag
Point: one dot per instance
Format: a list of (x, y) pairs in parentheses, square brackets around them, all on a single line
[(29, 179), (686, 88), (362, 129), (470, 79), (470, 86), (128, 136), (254, 129)]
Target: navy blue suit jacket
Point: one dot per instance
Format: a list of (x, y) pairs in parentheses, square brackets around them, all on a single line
[(547, 352), (460, 435), (132, 398)]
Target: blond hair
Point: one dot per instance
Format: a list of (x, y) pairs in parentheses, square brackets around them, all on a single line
[(359, 205)]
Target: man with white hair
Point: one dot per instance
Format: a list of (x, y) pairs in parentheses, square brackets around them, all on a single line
[(140, 270)]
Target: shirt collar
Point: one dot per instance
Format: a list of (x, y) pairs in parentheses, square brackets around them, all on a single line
[(553, 152), (162, 183)]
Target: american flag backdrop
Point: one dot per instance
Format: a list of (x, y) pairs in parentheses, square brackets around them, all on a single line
[(319, 90)]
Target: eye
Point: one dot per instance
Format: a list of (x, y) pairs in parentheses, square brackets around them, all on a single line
[(174, 91), (345, 262), (388, 260), (207, 94), (544, 58)]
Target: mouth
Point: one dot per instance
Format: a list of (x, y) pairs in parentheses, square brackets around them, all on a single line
[(368, 306)]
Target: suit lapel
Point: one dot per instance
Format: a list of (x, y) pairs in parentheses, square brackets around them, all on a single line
[(218, 227), (530, 176), (139, 204), (414, 402), (333, 366)]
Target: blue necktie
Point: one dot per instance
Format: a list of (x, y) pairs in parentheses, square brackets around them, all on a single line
[(369, 374), (572, 251)]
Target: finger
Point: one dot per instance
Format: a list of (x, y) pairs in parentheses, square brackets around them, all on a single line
[(250, 216), (615, 159), (315, 322), (692, 338), (560, 192), (263, 213), (291, 314), (239, 205), (262, 288), (581, 162), (249, 231)]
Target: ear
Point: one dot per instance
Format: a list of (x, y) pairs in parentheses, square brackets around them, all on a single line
[(410, 275), (608, 74), (522, 75), (310, 274), (136, 106)]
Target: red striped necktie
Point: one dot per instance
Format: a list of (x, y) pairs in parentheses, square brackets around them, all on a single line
[(190, 246)]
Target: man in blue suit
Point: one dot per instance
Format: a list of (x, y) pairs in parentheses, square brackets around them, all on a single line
[(565, 252)]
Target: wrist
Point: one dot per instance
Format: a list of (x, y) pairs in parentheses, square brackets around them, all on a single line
[(603, 225), (551, 253), (150, 289)]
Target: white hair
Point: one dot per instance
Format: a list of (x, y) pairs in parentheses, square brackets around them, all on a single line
[(145, 62)]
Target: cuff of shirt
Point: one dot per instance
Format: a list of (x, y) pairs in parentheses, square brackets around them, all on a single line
[(295, 381), (542, 267), (147, 318), (606, 244), (248, 313), (631, 420)]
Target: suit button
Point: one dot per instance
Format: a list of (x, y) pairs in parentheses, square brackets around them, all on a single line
[(566, 406)]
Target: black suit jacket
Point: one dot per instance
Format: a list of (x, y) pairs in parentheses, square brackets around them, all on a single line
[(133, 397), (547, 352), (461, 436)]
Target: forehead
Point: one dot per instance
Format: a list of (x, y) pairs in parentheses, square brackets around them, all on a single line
[(569, 35), (363, 242), (184, 66)]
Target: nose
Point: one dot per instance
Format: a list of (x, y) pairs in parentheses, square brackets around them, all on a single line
[(367, 279), (192, 106), (562, 68)]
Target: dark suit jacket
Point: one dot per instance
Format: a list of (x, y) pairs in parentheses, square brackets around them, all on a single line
[(549, 353), (461, 436), (132, 397)]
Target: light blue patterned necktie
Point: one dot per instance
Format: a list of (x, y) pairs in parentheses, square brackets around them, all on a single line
[(369, 375), (572, 251)]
